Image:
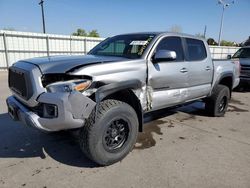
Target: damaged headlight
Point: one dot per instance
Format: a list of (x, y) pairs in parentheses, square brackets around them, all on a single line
[(68, 86)]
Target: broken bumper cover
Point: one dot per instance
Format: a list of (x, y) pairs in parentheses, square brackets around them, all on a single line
[(72, 111)]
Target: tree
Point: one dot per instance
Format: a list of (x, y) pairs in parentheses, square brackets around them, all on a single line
[(247, 42), (175, 29), (211, 41), (80, 32), (93, 33), (83, 33), (228, 43)]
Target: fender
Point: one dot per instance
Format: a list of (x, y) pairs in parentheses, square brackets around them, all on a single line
[(224, 75), (106, 90), (109, 89)]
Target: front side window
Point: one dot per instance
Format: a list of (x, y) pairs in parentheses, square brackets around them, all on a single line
[(242, 53), (172, 44), (196, 50), (129, 46)]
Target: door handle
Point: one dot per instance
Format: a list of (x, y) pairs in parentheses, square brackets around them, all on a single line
[(208, 68), (183, 70)]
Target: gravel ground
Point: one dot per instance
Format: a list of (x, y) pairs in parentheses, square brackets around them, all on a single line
[(178, 148)]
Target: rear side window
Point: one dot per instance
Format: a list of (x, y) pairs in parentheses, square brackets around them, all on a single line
[(196, 50), (172, 44)]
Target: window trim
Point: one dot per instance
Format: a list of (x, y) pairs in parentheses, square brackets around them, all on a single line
[(153, 49), (187, 53)]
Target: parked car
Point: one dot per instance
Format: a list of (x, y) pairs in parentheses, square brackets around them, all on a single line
[(105, 93), (243, 56)]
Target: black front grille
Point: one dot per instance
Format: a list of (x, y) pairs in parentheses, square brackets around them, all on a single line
[(245, 68), (18, 82)]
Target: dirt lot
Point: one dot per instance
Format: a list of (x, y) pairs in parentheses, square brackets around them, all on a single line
[(182, 148)]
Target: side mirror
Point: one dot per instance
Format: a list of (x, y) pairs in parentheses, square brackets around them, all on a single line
[(164, 55), (229, 56)]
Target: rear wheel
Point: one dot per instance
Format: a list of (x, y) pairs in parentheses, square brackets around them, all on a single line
[(217, 103), (110, 134)]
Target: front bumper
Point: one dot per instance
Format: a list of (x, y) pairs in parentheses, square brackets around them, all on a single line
[(236, 82), (245, 79), (73, 109)]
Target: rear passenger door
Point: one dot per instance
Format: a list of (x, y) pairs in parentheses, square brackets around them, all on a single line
[(200, 65), (168, 79)]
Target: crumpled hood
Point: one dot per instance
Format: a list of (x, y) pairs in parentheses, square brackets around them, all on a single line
[(62, 64)]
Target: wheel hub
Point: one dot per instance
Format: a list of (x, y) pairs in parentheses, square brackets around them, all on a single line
[(223, 104), (116, 134)]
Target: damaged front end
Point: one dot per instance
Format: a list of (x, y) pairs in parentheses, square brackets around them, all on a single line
[(62, 106)]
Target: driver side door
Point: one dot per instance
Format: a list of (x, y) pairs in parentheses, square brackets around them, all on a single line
[(168, 80)]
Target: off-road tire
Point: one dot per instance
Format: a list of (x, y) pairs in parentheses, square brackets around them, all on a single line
[(108, 114), (216, 105)]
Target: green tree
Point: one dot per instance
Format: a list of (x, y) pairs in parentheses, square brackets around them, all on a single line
[(80, 32), (83, 33), (211, 41), (247, 42), (228, 43), (93, 33)]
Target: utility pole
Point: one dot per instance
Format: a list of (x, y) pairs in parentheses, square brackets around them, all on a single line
[(41, 3), (221, 24), (224, 6), (205, 31)]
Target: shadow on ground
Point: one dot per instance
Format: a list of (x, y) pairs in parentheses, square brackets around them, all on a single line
[(242, 88), (18, 141)]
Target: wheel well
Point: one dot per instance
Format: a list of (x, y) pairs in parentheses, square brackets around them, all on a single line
[(227, 81), (130, 98)]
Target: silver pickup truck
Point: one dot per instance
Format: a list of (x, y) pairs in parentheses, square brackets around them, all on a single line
[(105, 93)]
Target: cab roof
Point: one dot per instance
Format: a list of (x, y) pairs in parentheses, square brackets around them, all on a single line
[(160, 33)]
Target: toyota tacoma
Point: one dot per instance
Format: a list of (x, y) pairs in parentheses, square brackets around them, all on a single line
[(105, 93)]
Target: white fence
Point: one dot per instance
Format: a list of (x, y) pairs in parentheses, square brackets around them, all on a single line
[(221, 52), (22, 45)]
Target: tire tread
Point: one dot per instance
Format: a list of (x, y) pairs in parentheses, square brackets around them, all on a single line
[(87, 129), (211, 101)]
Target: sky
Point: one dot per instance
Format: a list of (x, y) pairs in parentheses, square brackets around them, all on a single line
[(111, 17)]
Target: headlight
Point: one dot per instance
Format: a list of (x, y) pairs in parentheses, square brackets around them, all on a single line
[(81, 85), (68, 86)]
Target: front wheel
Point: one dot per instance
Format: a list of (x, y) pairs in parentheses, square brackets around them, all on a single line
[(216, 105), (110, 134)]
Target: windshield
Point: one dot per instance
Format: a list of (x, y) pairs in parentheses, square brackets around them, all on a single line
[(129, 46), (242, 53)]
